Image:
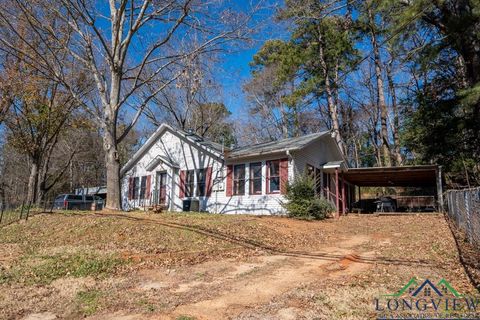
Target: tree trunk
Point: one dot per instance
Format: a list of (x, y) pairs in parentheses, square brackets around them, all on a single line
[(113, 172), (396, 122), (33, 181), (380, 93), (355, 153), (332, 107), (110, 142), (284, 122), (42, 176), (70, 174)]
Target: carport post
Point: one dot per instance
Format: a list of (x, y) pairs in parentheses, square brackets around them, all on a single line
[(343, 196), (337, 192), (439, 188)]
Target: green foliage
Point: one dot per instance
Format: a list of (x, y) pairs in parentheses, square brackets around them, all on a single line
[(444, 125), (185, 318), (302, 202), (88, 301), (298, 75)]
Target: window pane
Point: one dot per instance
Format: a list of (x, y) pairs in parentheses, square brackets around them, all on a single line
[(189, 183), (256, 178), (201, 177), (274, 184), (318, 182), (257, 186), (136, 185), (201, 190), (239, 179), (256, 170), (274, 168), (143, 187), (241, 187), (239, 171), (310, 171)]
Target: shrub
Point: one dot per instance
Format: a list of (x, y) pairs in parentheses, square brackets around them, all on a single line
[(302, 202)]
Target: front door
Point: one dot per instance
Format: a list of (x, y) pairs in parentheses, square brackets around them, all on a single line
[(162, 187)]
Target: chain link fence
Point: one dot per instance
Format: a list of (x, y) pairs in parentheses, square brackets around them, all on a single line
[(13, 212), (464, 210)]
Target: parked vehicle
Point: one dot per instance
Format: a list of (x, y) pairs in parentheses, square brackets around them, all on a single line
[(77, 202), (99, 203), (386, 204)]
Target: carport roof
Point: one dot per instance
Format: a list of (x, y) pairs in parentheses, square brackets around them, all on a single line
[(407, 176)]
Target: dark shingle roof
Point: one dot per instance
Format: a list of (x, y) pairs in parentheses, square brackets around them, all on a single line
[(275, 146), (206, 143)]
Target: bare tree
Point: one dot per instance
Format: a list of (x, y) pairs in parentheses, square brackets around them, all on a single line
[(266, 102), (36, 116), (124, 47), (380, 89), (395, 124)]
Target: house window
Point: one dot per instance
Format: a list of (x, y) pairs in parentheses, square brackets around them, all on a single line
[(273, 176), (189, 182), (256, 178), (136, 186), (318, 181), (239, 179), (310, 171), (143, 187), (201, 185)]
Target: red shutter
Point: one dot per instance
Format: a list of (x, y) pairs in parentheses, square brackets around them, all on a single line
[(147, 189), (228, 187), (182, 184), (130, 188), (209, 182), (283, 175)]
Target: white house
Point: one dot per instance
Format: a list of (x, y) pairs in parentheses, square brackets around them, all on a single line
[(178, 169)]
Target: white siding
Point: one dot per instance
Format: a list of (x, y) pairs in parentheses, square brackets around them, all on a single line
[(181, 152), (316, 154), (187, 156), (252, 204)]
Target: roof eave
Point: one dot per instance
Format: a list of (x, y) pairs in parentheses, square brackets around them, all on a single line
[(160, 130), (260, 154)]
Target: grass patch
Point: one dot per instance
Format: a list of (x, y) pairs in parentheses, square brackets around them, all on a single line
[(145, 304), (185, 318), (45, 269), (88, 302)]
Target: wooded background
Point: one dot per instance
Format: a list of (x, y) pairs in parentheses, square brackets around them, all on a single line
[(84, 82)]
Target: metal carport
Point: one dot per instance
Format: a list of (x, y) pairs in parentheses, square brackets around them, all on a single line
[(406, 176)]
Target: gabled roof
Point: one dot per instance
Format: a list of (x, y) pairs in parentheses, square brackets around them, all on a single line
[(156, 161), (276, 146), (209, 146), (220, 151), (200, 140)]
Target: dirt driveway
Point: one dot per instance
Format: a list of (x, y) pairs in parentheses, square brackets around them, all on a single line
[(221, 267)]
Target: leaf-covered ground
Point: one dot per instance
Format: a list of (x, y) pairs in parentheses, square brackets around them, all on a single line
[(169, 266)]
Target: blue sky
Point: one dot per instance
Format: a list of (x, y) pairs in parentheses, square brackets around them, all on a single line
[(235, 70)]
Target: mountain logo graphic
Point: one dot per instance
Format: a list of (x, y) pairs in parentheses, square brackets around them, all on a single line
[(427, 288)]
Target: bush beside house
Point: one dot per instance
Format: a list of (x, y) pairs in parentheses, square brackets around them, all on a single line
[(303, 203)]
